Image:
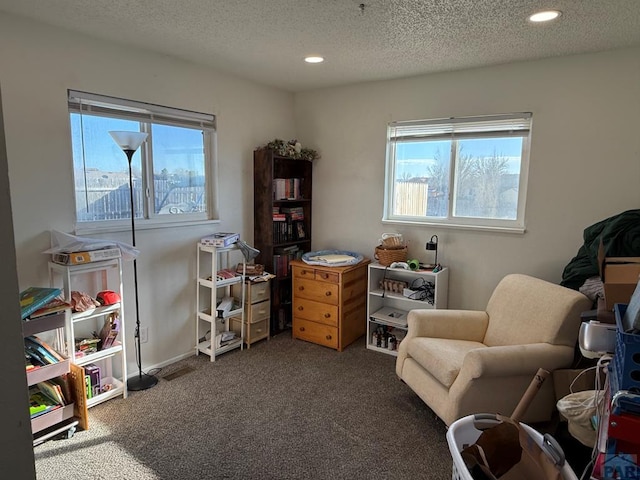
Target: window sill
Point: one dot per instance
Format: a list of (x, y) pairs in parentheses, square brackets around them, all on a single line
[(140, 225), (457, 226)]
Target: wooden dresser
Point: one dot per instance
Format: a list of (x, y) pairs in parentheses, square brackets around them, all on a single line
[(329, 303)]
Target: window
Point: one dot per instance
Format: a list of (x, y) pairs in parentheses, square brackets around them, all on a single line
[(464, 172), (172, 171)]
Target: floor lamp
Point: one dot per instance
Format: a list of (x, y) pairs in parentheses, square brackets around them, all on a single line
[(129, 142)]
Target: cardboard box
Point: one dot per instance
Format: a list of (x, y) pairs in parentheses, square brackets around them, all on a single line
[(619, 276), (77, 258)]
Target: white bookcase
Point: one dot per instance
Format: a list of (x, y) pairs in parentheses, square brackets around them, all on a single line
[(388, 306), (62, 419), (92, 278), (211, 291)]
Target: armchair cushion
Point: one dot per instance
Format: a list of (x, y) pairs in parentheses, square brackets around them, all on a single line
[(443, 358), (516, 360), (459, 324)]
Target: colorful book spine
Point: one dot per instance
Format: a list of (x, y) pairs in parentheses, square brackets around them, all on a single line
[(34, 298)]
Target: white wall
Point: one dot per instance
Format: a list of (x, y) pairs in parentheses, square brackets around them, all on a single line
[(585, 160), (37, 65)]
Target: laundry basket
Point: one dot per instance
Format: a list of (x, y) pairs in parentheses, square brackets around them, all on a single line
[(465, 431)]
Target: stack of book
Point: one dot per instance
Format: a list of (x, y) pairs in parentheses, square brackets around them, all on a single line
[(35, 298), (49, 395), (282, 258), (295, 213), (286, 189), (38, 353), (288, 224)]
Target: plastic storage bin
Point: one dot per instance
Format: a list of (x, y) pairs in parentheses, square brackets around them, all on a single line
[(464, 432), (626, 360)]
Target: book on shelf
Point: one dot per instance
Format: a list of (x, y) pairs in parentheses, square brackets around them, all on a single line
[(109, 331), (34, 298), (220, 239), (39, 343), (286, 189), (54, 306), (390, 315), (53, 391), (40, 403), (38, 354), (65, 388), (294, 213)]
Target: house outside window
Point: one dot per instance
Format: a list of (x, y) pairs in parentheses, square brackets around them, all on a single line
[(173, 170), (468, 172)]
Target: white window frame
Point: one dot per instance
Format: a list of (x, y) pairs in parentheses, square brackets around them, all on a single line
[(515, 124), (147, 114)]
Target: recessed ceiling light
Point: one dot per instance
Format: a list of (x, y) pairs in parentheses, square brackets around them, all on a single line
[(313, 59), (545, 16)]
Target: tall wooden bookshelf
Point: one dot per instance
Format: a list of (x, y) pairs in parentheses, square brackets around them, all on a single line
[(281, 185)]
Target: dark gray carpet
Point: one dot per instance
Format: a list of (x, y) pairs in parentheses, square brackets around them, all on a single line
[(283, 409)]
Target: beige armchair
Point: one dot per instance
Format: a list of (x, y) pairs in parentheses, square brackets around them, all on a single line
[(461, 362)]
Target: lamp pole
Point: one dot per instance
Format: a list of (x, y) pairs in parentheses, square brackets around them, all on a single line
[(129, 142)]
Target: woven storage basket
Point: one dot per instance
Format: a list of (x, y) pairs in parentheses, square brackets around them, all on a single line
[(386, 256)]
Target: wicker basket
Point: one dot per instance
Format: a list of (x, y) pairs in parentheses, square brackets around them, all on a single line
[(387, 255)]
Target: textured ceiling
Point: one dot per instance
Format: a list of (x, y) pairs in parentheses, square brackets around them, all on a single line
[(266, 40)]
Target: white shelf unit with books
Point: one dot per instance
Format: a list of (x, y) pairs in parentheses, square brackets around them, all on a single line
[(387, 305), (92, 278), (60, 419), (213, 320)]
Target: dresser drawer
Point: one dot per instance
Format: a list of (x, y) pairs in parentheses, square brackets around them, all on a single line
[(315, 332), (304, 272), (326, 276), (254, 293), (316, 274), (258, 311), (257, 331), (259, 292), (315, 311), (318, 291), (252, 331)]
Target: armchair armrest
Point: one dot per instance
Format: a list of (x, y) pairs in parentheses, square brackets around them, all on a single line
[(514, 360), (454, 324)]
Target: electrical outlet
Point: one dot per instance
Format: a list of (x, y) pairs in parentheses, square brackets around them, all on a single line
[(144, 334)]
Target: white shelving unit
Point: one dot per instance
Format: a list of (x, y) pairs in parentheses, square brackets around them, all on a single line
[(92, 278), (210, 292), (387, 309), (62, 419)]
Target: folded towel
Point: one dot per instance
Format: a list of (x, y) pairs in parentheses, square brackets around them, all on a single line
[(331, 258)]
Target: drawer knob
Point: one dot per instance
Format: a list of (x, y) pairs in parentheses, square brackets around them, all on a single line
[(300, 308), (301, 288), (328, 294), (302, 329), (328, 337), (325, 275), (327, 315)]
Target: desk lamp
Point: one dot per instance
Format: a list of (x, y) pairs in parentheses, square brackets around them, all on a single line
[(432, 245)]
